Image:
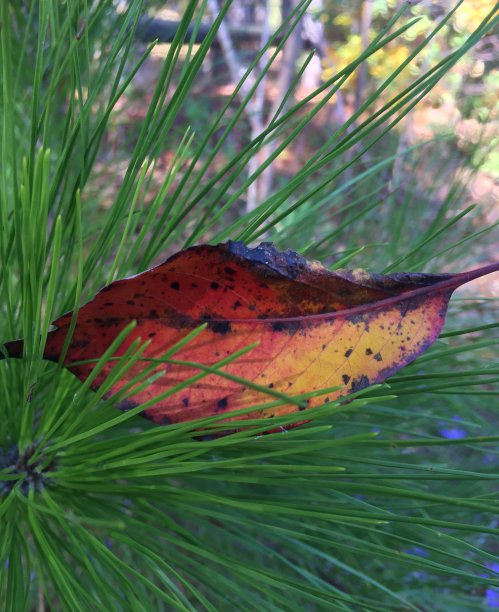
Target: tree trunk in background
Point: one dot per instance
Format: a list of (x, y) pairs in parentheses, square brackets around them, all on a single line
[(258, 120), (289, 57), (308, 29), (313, 34), (258, 124)]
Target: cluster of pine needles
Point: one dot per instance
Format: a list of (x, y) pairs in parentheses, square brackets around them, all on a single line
[(386, 502)]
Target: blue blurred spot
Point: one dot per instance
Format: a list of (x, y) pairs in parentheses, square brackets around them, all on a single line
[(491, 599), (418, 550), (452, 433), (489, 458)]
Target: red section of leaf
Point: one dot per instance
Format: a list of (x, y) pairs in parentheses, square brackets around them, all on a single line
[(314, 328)]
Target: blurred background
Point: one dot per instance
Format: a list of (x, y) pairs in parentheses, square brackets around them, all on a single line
[(446, 147)]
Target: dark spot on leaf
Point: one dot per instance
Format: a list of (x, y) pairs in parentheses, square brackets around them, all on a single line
[(271, 385), (164, 421), (107, 321), (127, 404), (237, 304), (214, 285), (152, 334), (185, 401), (108, 303), (378, 357), (369, 351), (356, 318), (360, 383), (153, 314), (219, 327), (326, 400), (194, 285), (349, 352), (291, 327), (130, 302), (222, 404), (346, 379), (229, 271), (175, 286)]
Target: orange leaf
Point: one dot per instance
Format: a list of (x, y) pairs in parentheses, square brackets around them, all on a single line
[(314, 328)]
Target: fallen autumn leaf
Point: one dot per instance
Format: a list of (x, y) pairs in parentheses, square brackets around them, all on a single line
[(313, 328)]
